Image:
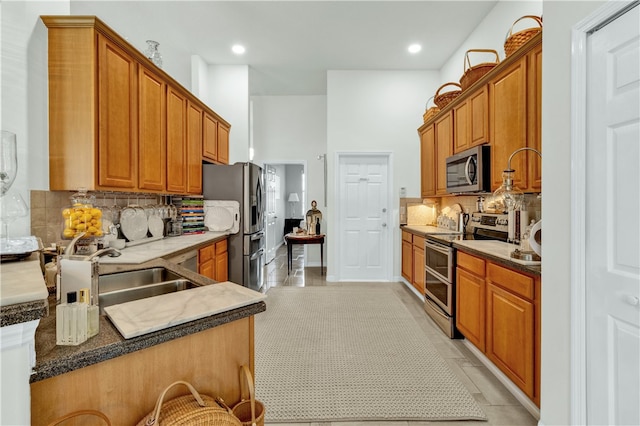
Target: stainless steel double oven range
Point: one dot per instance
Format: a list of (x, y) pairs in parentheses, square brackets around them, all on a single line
[(440, 267)]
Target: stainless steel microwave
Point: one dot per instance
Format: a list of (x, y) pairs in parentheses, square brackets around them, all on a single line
[(469, 171)]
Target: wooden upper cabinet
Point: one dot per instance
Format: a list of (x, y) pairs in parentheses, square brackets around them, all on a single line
[(471, 121), (534, 96), (223, 143), (210, 138), (116, 121), (444, 148), (176, 141), (428, 161), (194, 148), (117, 135), (508, 122), (152, 146)]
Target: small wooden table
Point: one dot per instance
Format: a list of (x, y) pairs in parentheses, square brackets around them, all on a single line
[(291, 239)]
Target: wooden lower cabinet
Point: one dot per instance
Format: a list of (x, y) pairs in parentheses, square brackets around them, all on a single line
[(125, 388), (498, 310), (470, 291), (418, 263), (407, 258), (213, 261)]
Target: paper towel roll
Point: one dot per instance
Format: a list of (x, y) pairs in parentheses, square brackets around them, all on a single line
[(535, 238)]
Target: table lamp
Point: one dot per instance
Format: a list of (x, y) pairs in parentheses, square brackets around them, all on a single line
[(293, 199)]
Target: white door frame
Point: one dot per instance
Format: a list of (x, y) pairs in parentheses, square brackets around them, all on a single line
[(388, 155), (579, 35)]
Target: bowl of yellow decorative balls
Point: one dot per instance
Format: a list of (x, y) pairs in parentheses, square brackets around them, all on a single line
[(82, 216)]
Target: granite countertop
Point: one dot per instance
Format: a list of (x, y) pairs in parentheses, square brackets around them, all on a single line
[(53, 360), (23, 292)]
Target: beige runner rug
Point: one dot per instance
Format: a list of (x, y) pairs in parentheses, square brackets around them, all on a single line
[(351, 353)]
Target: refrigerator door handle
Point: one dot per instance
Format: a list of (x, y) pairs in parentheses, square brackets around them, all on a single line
[(257, 236), (257, 254)]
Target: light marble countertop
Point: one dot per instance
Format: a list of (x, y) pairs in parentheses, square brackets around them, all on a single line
[(497, 249), (161, 248), (144, 316), (22, 282)]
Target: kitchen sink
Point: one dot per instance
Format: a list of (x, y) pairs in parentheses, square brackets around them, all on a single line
[(124, 287)]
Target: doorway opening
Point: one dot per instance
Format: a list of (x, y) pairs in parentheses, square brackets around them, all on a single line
[(285, 186)]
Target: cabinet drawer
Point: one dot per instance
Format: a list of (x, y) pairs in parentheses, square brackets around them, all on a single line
[(407, 236), (418, 241), (205, 253), (221, 247), (471, 263), (513, 281)]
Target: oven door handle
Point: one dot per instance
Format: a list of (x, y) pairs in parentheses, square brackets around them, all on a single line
[(437, 308), (437, 247)]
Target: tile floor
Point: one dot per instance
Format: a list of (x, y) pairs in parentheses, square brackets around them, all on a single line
[(498, 404)]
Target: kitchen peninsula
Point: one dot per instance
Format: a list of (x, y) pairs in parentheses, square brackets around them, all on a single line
[(122, 377)]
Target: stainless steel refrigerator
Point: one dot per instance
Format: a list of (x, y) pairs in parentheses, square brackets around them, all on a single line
[(241, 182)]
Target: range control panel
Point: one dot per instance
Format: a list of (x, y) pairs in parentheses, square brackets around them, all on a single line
[(492, 221)]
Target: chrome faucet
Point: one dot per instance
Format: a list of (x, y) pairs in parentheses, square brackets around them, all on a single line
[(111, 251)]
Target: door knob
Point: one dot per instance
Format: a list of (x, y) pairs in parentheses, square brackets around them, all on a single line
[(632, 300), (384, 225)]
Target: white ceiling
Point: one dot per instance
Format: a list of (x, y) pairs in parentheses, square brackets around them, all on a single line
[(291, 44)]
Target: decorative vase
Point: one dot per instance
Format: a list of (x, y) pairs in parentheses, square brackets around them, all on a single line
[(153, 54)]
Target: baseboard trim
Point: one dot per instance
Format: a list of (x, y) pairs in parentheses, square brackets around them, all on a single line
[(502, 378)]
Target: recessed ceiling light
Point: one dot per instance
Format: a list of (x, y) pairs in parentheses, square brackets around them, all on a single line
[(414, 48), (238, 49)]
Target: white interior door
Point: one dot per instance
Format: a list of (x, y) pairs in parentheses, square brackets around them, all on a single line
[(612, 223), (363, 213)]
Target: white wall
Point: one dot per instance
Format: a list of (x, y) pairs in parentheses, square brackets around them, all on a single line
[(292, 129), (25, 105), (377, 111), (559, 17)]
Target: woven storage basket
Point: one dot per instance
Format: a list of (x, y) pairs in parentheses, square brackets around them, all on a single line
[(475, 73), (514, 41), (79, 413), (188, 410), (443, 99), (430, 112), (249, 411)]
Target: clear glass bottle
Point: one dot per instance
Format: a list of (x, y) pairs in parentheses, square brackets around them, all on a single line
[(93, 312), (71, 321), (153, 54)]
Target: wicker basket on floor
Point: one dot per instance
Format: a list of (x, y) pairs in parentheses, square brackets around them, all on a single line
[(514, 41), (475, 72), (443, 99), (430, 112)]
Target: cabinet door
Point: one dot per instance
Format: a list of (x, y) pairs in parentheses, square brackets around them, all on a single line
[(407, 257), (510, 336), (462, 127), (176, 141), (534, 96), (222, 262), (210, 138), (478, 117), (223, 143), (117, 132), (470, 307), (418, 266), (194, 149), (152, 148), (444, 148), (427, 162), (508, 122), (206, 261)]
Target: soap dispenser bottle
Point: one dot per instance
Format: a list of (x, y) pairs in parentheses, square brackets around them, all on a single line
[(93, 316)]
